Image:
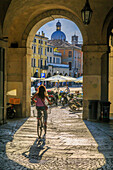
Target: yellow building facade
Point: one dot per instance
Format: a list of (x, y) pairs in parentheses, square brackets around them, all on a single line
[(39, 56)]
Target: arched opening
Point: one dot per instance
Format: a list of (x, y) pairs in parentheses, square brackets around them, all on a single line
[(42, 21), (58, 53)]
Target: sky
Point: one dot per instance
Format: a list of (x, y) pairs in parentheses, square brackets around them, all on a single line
[(67, 26)]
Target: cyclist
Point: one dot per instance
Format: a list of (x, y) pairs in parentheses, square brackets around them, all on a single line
[(39, 97), (67, 90)]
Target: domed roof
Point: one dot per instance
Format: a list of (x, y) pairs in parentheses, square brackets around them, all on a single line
[(58, 34)]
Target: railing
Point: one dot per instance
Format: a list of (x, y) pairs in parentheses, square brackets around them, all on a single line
[(44, 67)]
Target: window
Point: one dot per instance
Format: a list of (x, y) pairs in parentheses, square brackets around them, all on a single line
[(40, 41), (38, 50), (53, 59), (58, 60), (70, 54), (33, 62), (50, 59), (69, 65), (41, 50), (45, 62), (47, 49), (51, 50), (41, 63), (45, 42), (38, 63), (34, 51), (34, 40)]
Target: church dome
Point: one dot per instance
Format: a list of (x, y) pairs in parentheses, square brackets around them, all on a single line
[(58, 34)]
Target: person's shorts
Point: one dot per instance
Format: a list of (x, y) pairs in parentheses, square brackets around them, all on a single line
[(39, 109)]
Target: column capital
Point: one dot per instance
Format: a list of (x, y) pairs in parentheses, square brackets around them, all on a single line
[(95, 48)]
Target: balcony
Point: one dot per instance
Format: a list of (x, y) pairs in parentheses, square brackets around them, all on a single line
[(44, 67)]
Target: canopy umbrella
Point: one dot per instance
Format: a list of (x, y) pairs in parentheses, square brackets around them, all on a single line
[(34, 79), (70, 79), (59, 78), (79, 80)]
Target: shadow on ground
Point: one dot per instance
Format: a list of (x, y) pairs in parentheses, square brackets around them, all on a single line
[(36, 151), (103, 135), (7, 132)]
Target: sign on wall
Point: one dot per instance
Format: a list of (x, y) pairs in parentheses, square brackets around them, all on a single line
[(42, 75)]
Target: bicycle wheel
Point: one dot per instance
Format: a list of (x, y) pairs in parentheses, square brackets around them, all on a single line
[(39, 128), (72, 106)]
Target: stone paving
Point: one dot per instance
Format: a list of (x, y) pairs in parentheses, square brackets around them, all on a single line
[(71, 143)]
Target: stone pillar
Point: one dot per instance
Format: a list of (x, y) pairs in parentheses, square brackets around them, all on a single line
[(93, 75), (111, 79), (18, 79), (3, 80), (26, 109)]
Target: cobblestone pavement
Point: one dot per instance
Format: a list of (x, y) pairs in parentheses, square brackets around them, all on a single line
[(71, 143)]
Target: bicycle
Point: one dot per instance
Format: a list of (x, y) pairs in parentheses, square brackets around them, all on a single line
[(41, 127)]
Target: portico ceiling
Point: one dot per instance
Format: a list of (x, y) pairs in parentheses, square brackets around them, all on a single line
[(17, 16)]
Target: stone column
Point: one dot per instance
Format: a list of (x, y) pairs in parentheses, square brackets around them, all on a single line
[(3, 80), (26, 109), (18, 79), (94, 56), (111, 79)]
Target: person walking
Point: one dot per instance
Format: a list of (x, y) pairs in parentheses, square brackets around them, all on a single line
[(39, 98)]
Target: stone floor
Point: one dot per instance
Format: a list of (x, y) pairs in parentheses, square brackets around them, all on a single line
[(71, 143)]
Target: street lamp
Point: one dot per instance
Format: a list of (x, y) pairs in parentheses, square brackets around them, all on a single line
[(86, 13), (57, 72)]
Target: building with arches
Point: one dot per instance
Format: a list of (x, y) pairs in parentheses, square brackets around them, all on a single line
[(19, 21)]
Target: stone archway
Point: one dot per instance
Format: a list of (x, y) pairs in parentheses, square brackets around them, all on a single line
[(47, 16), (21, 55), (43, 18), (21, 30)]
